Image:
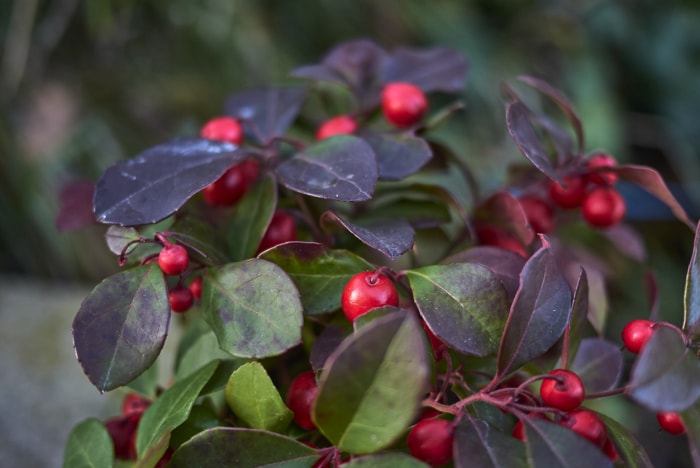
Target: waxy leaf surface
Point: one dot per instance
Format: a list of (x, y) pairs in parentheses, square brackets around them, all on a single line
[(552, 446), (477, 443), (666, 375), (691, 320), (523, 132), (342, 168), (89, 445), (157, 182), (390, 236), (398, 156), (599, 364), (435, 69), (628, 448), (464, 304), (242, 448), (121, 326), (251, 219), (539, 313), (380, 374), (319, 273), (253, 308)]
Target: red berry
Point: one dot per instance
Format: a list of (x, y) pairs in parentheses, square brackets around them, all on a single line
[(597, 161), (603, 207), (519, 431), (636, 334), (671, 422), (539, 214), (196, 287), (571, 194), (282, 228), (122, 430), (223, 129), (251, 170), (301, 396), (610, 451), (173, 259), (341, 125), (181, 298), (435, 342), (135, 404), (430, 440), (565, 392), (588, 425), (403, 104), (365, 291), (495, 237), (227, 189)]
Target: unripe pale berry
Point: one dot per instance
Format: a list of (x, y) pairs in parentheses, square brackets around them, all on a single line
[(403, 104), (366, 291), (565, 392), (173, 259), (341, 125), (603, 207), (225, 129), (430, 440)]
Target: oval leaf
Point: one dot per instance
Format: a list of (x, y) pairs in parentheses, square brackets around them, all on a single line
[(599, 364), (251, 218), (464, 304), (390, 236), (398, 155), (89, 445), (342, 168), (503, 210), (253, 397), (380, 374), (520, 128), (691, 321), (479, 444), (318, 272), (629, 449), (157, 182), (539, 313), (121, 326), (253, 308), (666, 375), (385, 460), (436, 69), (172, 407), (551, 445)]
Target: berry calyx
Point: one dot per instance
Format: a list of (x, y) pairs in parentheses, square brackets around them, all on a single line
[(366, 291), (430, 441), (300, 398), (227, 189), (225, 129), (135, 404), (600, 177), (588, 425), (173, 259), (282, 228), (181, 298), (403, 104), (671, 422), (603, 207), (341, 125), (636, 334), (539, 214), (196, 287), (564, 391), (571, 194)]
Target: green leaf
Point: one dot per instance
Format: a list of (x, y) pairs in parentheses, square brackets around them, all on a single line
[(253, 397), (385, 460), (154, 452), (251, 218), (629, 449), (198, 233), (464, 304), (479, 444), (89, 445), (318, 272), (691, 319), (253, 308), (121, 326), (242, 448), (197, 347), (172, 407), (380, 374), (202, 417), (550, 445)]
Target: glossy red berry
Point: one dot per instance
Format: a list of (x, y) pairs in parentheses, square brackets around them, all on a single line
[(173, 259), (282, 228), (300, 398), (227, 189), (565, 392), (636, 334), (196, 287), (403, 104), (588, 425), (181, 298), (569, 195), (539, 214), (341, 125), (597, 176), (122, 430), (430, 441), (135, 404), (366, 291), (610, 451), (225, 129), (671, 422), (495, 237), (603, 207)]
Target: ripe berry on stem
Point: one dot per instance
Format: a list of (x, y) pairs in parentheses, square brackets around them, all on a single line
[(636, 334), (341, 125), (173, 259), (671, 422), (365, 291), (539, 214), (569, 195), (603, 207), (430, 441), (227, 189), (282, 228), (225, 129), (564, 391), (588, 425), (403, 104), (301, 396), (181, 298), (601, 160)]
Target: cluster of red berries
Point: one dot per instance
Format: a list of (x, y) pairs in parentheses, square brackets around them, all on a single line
[(173, 260)]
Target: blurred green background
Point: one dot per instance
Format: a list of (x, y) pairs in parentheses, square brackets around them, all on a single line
[(84, 84)]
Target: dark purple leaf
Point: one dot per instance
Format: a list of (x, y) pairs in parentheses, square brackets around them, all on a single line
[(464, 304), (691, 320), (579, 312), (326, 342), (477, 443), (560, 139), (651, 181), (121, 326), (523, 132), (75, 210), (539, 313), (631, 452), (666, 375), (599, 364), (398, 155), (390, 236), (553, 446), (627, 241), (502, 210), (561, 100), (342, 168), (436, 69), (266, 113), (156, 183)]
